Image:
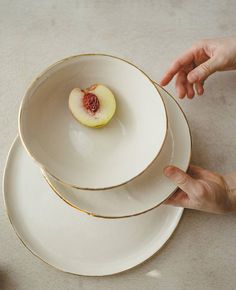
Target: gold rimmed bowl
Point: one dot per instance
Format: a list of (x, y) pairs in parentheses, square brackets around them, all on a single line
[(93, 158)]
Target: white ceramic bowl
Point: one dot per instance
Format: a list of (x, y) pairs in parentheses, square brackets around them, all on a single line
[(89, 158)]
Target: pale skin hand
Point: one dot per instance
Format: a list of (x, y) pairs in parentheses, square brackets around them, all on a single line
[(202, 190), (199, 188), (198, 63)]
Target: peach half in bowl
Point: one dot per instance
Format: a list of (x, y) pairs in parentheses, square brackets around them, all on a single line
[(94, 157)]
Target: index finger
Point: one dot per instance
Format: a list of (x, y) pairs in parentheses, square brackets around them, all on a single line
[(185, 59)]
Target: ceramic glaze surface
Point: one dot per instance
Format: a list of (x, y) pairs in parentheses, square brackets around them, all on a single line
[(72, 241), (88, 157)]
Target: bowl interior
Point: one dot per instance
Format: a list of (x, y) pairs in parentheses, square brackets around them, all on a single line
[(88, 157)]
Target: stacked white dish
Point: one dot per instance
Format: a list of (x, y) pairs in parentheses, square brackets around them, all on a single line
[(110, 173)]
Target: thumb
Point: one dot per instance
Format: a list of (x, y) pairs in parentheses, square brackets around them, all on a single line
[(182, 180), (203, 71)]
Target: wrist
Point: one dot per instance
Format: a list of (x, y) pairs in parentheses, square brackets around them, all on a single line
[(230, 182)]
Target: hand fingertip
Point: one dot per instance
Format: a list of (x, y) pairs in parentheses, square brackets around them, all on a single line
[(166, 79), (169, 170), (163, 83), (166, 170), (181, 92), (200, 91), (190, 96)]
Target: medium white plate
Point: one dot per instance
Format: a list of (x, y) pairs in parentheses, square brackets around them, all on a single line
[(148, 190), (74, 242), (82, 156)]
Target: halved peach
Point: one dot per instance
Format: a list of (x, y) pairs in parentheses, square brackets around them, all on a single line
[(93, 107)]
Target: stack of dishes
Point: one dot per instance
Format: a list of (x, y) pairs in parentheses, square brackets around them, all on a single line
[(114, 174)]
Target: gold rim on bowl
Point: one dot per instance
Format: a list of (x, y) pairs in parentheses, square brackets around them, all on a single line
[(44, 167)]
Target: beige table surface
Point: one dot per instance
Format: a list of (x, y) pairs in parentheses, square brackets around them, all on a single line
[(34, 34)]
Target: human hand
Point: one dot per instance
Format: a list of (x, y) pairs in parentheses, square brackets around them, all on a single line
[(200, 189), (199, 62)]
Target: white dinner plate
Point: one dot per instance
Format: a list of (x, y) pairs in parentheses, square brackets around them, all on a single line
[(148, 190), (83, 157), (74, 242)]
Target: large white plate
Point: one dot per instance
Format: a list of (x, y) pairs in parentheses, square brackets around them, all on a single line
[(148, 190), (82, 156), (73, 242)]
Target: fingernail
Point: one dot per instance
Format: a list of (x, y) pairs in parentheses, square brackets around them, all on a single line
[(200, 92)]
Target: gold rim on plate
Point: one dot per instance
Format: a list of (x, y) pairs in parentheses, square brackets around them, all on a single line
[(44, 167), (67, 272), (130, 215)]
